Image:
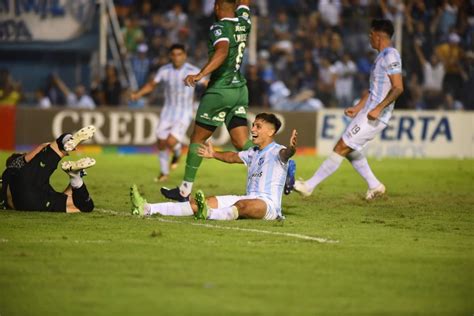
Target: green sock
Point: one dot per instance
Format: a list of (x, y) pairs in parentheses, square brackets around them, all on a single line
[(193, 161), (248, 144)]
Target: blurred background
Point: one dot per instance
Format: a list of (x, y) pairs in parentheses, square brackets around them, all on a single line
[(304, 56)]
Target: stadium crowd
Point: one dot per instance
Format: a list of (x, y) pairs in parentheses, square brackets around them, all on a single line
[(311, 54)]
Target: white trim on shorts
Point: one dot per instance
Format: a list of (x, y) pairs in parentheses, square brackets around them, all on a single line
[(229, 200), (361, 130)]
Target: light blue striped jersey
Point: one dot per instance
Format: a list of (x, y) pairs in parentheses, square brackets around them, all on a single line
[(178, 97), (266, 172), (388, 62)]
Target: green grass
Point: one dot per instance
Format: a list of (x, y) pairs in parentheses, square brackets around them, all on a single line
[(410, 253)]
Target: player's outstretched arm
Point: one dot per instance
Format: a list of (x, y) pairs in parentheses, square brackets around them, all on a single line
[(222, 50), (146, 89), (207, 151), (287, 153)]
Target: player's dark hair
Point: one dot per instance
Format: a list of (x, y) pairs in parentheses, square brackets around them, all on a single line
[(270, 118), (177, 46), (382, 25), (11, 158)]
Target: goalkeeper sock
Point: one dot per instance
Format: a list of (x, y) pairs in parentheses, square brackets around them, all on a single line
[(224, 213), (193, 161), (171, 209)]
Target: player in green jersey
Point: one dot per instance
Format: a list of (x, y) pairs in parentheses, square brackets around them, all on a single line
[(226, 97)]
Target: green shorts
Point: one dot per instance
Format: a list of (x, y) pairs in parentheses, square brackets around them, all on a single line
[(219, 106)]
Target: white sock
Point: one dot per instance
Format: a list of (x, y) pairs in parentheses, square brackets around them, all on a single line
[(224, 213), (360, 164), (177, 149), (185, 188), (164, 161), (327, 168), (75, 179), (171, 209)]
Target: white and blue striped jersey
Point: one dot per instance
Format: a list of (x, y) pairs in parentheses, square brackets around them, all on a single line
[(388, 62), (178, 97), (266, 173)]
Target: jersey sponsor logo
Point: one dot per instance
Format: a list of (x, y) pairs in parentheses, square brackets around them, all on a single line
[(261, 161), (256, 174), (240, 28), (395, 65), (241, 110), (240, 37), (218, 32), (204, 116)]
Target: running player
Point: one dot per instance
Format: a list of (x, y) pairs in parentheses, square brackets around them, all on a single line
[(267, 164), (371, 115), (177, 111), (25, 181), (226, 97)]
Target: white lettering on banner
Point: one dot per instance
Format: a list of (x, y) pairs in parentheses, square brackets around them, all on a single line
[(409, 134), (124, 128), (118, 127), (52, 20), (140, 118)]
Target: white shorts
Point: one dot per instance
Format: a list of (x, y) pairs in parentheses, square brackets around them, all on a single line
[(361, 130), (175, 128), (229, 200)]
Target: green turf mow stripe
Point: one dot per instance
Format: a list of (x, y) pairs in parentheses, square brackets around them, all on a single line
[(250, 230)]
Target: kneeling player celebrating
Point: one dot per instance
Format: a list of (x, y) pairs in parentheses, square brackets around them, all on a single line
[(267, 164)]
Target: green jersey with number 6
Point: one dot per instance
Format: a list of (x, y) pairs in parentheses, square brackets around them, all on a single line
[(235, 31)]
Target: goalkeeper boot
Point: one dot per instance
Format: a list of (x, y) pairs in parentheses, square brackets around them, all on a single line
[(78, 165), (78, 137)]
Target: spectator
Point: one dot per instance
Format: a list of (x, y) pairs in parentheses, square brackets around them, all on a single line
[(257, 88), (42, 100), (433, 74), (132, 33), (141, 64), (111, 87), (452, 55), (9, 90), (77, 99), (176, 20), (345, 71), (326, 82)]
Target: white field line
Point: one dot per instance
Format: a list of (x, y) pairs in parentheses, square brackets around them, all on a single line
[(250, 230)]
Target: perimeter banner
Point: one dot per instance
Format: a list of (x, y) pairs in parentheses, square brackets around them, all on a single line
[(420, 134), (130, 127)]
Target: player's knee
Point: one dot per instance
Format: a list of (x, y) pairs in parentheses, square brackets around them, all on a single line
[(242, 207), (355, 155)]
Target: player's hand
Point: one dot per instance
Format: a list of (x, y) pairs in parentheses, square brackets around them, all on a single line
[(293, 139), (191, 80), (134, 96), (374, 114), (351, 111), (206, 150)]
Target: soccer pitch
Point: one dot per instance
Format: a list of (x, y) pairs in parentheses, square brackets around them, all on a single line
[(410, 253)]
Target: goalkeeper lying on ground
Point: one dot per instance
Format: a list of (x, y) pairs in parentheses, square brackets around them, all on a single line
[(267, 164), (25, 181)]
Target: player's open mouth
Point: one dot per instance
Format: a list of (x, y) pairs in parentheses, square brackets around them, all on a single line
[(254, 136)]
